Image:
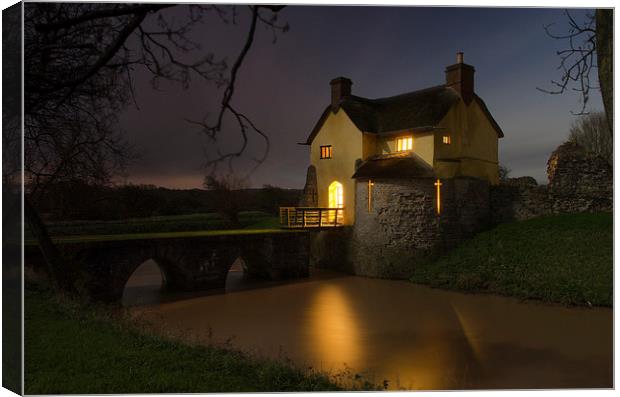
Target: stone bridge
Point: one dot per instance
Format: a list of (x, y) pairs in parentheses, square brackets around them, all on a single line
[(189, 261)]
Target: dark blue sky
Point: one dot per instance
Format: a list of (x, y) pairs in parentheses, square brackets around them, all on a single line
[(386, 51)]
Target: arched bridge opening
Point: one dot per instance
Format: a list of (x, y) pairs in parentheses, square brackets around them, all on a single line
[(145, 285), (187, 263)]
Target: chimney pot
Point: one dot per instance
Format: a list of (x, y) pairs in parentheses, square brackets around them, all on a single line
[(460, 76), (341, 87)]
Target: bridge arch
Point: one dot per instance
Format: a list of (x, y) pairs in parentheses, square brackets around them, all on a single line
[(123, 269), (145, 284), (187, 263)]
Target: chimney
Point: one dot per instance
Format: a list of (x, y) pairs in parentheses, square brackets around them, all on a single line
[(341, 87), (460, 76)]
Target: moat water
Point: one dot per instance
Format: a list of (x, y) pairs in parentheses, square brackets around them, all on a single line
[(412, 336)]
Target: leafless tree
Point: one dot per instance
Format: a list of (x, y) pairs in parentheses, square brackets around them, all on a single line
[(504, 172), (590, 131), (589, 47), (80, 59), (228, 196)]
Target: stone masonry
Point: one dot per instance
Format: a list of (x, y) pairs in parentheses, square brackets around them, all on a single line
[(187, 263), (577, 183), (403, 228)]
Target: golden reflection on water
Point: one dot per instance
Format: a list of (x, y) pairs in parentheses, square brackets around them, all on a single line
[(334, 326), (413, 336), (468, 331)]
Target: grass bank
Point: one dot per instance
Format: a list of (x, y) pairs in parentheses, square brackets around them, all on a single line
[(162, 224), (72, 350), (164, 235), (566, 259)]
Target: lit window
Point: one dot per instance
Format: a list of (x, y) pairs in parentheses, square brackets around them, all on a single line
[(405, 143), (326, 152), (446, 139)]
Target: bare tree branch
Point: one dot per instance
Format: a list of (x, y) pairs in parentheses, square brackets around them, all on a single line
[(576, 61)]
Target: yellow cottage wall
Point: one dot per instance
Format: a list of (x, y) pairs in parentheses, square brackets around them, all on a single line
[(473, 148), (347, 148), (480, 157)]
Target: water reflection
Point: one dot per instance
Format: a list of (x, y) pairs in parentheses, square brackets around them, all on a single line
[(414, 337), (144, 285), (334, 326)]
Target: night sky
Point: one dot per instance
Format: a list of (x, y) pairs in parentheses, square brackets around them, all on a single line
[(385, 51)]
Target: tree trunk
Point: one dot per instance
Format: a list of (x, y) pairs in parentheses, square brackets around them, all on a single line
[(604, 60), (61, 276)]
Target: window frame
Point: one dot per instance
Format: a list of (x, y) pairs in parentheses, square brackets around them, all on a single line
[(404, 143), (328, 154)]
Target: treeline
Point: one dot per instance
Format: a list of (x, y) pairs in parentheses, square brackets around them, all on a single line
[(81, 201)]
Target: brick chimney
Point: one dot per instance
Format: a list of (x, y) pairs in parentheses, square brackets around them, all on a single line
[(341, 87), (460, 76)]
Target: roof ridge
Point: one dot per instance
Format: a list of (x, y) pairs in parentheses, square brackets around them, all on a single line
[(405, 94), (378, 101)]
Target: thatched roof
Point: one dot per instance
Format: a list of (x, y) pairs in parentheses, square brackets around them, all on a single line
[(408, 165), (422, 109)]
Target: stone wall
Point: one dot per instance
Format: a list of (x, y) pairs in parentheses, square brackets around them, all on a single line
[(402, 227), (518, 199), (188, 263), (577, 183)]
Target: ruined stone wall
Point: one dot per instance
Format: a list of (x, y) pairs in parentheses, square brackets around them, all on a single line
[(518, 199), (577, 183)]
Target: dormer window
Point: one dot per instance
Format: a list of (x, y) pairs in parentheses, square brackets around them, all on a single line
[(404, 143), (326, 152), (446, 139)]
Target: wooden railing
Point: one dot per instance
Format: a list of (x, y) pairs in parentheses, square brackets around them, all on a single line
[(311, 217)]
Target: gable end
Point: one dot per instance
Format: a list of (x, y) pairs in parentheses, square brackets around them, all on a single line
[(485, 110)]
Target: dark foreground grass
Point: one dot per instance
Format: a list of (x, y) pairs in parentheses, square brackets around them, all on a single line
[(566, 259), (68, 350)]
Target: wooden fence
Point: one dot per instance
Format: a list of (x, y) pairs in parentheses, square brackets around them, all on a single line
[(311, 217)]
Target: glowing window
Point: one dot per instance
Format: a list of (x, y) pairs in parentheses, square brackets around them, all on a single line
[(405, 143), (326, 152), (446, 139)]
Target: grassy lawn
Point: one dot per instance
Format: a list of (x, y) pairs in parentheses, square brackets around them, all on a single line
[(140, 236), (72, 350), (162, 224), (565, 258)]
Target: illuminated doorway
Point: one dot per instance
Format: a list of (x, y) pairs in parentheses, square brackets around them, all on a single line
[(336, 200)]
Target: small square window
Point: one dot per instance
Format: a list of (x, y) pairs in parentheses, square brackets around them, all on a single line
[(404, 143), (446, 139), (326, 152)]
